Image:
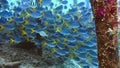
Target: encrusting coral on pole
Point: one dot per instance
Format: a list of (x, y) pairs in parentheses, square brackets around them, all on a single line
[(106, 21)]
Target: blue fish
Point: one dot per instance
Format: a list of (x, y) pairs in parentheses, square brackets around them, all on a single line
[(72, 45), (85, 64), (92, 53), (9, 27), (5, 6), (31, 35), (46, 2), (49, 16), (12, 4), (79, 40), (4, 2), (93, 48), (6, 39), (42, 33), (48, 39), (61, 52), (56, 55), (77, 59), (75, 2), (29, 31), (64, 2), (71, 40), (33, 5), (40, 9), (51, 45), (82, 30), (74, 25), (35, 15), (81, 50), (84, 21), (81, 4), (65, 32), (84, 35), (66, 51), (25, 1), (75, 34), (17, 39), (93, 40), (73, 10), (95, 62), (83, 57), (51, 5), (23, 6), (29, 26), (6, 14), (65, 7), (17, 9), (3, 20), (67, 17), (83, 11), (19, 20), (60, 46), (34, 23), (59, 8), (89, 44)]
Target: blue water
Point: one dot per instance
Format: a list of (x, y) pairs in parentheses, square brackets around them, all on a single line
[(68, 30)]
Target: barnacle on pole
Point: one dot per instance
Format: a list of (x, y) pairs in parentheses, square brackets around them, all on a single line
[(106, 21)]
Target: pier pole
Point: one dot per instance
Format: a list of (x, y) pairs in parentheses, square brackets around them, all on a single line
[(106, 22)]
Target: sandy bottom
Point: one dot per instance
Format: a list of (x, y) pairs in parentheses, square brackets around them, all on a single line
[(27, 56)]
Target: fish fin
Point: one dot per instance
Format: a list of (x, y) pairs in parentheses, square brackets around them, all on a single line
[(53, 50), (27, 14), (10, 19), (74, 30), (54, 42), (1, 27), (12, 41), (66, 23), (24, 32), (57, 30), (26, 22), (65, 39), (46, 23), (33, 31)]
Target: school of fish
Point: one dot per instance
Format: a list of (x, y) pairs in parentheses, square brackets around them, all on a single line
[(68, 33)]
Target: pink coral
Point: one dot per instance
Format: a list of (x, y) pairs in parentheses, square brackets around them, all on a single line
[(110, 1), (100, 13)]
